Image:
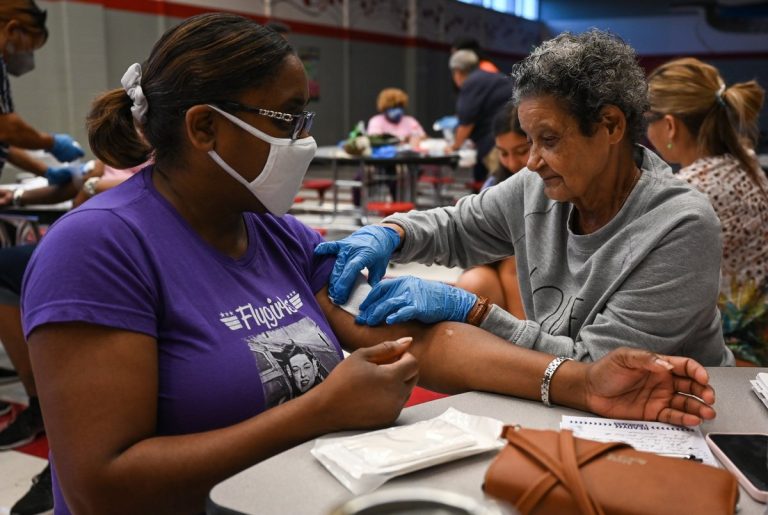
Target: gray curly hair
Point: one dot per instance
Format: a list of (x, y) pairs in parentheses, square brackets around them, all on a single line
[(586, 72)]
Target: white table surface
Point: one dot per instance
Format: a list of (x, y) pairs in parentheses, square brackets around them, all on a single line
[(295, 482)]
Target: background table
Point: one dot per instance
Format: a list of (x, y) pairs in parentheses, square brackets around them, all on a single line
[(24, 222), (44, 214), (407, 180), (295, 482)]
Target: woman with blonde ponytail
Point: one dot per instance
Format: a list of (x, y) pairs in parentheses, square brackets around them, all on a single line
[(709, 128)]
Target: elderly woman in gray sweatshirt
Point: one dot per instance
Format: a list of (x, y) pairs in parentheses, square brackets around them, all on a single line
[(612, 250)]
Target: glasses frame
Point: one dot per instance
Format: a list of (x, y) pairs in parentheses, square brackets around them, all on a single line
[(299, 122)]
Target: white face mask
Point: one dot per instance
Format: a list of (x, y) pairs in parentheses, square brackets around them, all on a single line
[(280, 180)]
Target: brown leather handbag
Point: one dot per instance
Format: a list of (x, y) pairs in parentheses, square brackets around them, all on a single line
[(551, 472)]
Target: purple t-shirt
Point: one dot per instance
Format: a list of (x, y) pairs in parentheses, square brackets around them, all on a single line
[(234, 336)]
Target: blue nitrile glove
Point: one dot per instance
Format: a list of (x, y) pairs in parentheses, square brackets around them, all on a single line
[(369, 247), (66, 149), (58, 176), (384, 152), (449, 122), (410, 298)]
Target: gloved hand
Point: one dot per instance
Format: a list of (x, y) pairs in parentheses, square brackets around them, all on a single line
[(66, 149), (410, 298), (57, 176), (369, 247)]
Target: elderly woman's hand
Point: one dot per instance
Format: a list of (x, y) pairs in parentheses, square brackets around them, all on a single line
[(369, 247), (410, 298), (637, 384)]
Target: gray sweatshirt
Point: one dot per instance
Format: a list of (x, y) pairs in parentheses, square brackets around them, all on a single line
[(647, 279)]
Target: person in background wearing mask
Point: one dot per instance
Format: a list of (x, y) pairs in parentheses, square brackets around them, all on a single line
[(27, 425), (22, 32), (498, 280), (392, 119), (152, 376)]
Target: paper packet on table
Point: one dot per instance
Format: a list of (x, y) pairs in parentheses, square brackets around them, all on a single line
[(760, 387), (366, 461)]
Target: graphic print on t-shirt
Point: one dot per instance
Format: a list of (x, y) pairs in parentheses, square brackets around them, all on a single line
[(564, 309), (270, 313), (292, 359)]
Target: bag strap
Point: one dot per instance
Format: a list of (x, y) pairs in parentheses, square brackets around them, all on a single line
[(554, 472), (575, 485)]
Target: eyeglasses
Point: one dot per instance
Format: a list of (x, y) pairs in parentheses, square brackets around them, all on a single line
[(38, 16), (298, 123)]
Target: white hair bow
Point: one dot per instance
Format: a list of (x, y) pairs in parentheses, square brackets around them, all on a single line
[(131, 82)]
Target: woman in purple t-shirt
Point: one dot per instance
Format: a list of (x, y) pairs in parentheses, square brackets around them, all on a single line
[(188, 318)]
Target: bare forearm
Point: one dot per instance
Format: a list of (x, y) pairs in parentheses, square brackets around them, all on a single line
[(48, 194), (21, 159), (17, 132), (102, 425), (456, 357), (173, 474), (462, 134)]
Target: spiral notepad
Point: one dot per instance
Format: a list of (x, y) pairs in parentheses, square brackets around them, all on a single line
[(654, 437)]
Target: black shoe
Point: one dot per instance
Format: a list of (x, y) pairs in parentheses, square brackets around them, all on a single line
[(8, 375), (5, 408), (39, 498), (27, 426)]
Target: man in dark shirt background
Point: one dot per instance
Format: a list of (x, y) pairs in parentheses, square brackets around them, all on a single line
[(481, 96)]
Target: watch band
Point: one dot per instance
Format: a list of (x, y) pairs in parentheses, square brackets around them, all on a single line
[(547, 379)]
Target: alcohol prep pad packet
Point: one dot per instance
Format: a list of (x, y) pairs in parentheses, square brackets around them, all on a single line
[(359, 292), (366, 461)]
